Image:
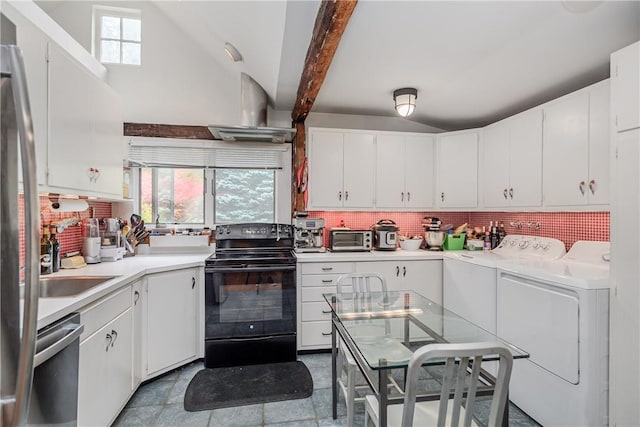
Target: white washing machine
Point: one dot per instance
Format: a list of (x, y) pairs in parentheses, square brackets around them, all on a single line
[(469, 277), (558, 311)]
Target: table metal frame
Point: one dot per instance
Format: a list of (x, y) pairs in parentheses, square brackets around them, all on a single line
[(380, 388)]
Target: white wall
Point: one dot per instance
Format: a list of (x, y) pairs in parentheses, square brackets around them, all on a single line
[(177, 83)]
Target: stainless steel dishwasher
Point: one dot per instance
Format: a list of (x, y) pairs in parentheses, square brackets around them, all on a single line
[(54, 395)]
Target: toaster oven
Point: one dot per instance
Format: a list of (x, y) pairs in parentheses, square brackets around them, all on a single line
[(345, 240)]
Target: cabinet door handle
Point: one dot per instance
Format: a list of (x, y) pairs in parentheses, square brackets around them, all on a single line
[(340, 195), (136, 297), (442, 196), (326, 334), (109, 340), (408, 196), (511, 193), (504, 193), (327, 268), (592, 186), (397, 271), (404, 271), (346, 195), (581, 187), (402, 196), (193, 282), (327, 281), (115, 336)]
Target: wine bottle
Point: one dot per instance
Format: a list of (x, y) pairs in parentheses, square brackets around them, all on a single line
[(55, 251), (46, 253)]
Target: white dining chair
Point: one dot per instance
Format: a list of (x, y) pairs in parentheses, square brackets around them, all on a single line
[(360, 284), (459, 377)]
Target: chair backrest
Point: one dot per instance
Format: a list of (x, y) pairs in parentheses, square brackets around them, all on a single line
[(457, 379), (362, 282)]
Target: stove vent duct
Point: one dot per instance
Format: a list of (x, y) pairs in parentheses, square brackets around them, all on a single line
[(253, 118)]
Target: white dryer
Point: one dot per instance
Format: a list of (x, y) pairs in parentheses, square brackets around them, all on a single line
[(558, 311), (469, 277)]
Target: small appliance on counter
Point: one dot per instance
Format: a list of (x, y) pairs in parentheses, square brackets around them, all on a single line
[(346, 240), (432, 234), (308, 233), (111, 244), (385, 235), (91, 241)]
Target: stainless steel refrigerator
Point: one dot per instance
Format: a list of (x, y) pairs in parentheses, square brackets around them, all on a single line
[(38, 368)]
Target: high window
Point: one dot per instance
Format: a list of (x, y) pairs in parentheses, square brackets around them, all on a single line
[(117, 35)]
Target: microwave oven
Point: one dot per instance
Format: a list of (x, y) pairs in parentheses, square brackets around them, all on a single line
[(345, 240)]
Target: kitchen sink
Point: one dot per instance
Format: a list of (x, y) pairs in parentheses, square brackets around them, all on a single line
[(58, 287)]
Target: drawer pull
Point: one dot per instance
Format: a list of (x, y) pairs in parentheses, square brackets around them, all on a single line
[(327, 268), (326, 334), (326, 311), (327, 281)]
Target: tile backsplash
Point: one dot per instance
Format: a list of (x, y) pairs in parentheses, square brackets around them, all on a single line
[(71, 238), (566, 226)]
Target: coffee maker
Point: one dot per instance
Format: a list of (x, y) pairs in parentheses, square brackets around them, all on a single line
[(309, 232)]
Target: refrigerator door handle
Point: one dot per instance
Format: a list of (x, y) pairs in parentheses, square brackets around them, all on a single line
[(12, 57)]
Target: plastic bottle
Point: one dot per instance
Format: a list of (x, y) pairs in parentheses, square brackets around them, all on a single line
[(46, 253), (55, 251)]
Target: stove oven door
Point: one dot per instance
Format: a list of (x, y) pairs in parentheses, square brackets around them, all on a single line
[(250, 314)]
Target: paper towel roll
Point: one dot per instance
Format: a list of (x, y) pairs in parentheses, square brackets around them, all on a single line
[(69, 205)]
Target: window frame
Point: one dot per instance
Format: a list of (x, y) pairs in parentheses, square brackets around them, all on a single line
[(116, 12)]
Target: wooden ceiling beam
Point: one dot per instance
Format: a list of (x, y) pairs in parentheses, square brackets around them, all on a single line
[(332, 19)]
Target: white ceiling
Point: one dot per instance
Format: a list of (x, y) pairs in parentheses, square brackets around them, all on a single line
[(472, 62)]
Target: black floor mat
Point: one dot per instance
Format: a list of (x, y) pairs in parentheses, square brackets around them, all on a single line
[(246, 385)]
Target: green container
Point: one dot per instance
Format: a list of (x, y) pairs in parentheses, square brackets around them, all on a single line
[(454, 242)]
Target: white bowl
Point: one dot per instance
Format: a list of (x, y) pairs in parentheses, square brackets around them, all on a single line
[(410, 244)]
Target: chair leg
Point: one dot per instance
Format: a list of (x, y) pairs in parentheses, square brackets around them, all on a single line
[(351, 394)]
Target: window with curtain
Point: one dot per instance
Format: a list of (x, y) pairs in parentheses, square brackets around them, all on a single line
[(180, 196)]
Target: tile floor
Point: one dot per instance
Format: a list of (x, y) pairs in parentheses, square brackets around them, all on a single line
[(160, 403)]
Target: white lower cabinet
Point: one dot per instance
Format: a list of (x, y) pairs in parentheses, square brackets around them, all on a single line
[(314, 314), (423, 276), (172, 318), (105, 370)]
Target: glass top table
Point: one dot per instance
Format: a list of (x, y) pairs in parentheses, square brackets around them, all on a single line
[(372, 320), (383, 329)]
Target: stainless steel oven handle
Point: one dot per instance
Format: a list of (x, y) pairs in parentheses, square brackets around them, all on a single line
[(70, 333)]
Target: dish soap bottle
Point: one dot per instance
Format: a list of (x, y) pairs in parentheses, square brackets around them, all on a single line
[(46, 253)]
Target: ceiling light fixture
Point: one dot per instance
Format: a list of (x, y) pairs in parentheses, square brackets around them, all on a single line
[(405, 100), (233, 53)]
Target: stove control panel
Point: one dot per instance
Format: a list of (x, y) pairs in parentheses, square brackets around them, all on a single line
[(254, 231), (523, 246)]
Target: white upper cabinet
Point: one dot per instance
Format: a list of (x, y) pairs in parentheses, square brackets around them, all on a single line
[(86, 147), (404, 171), (77, 117), (341, 169), (457, 169), (511, 165), (576, 148), (625, 88)]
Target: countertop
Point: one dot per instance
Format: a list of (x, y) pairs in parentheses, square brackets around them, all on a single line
[(126, 271), (374, 255)]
